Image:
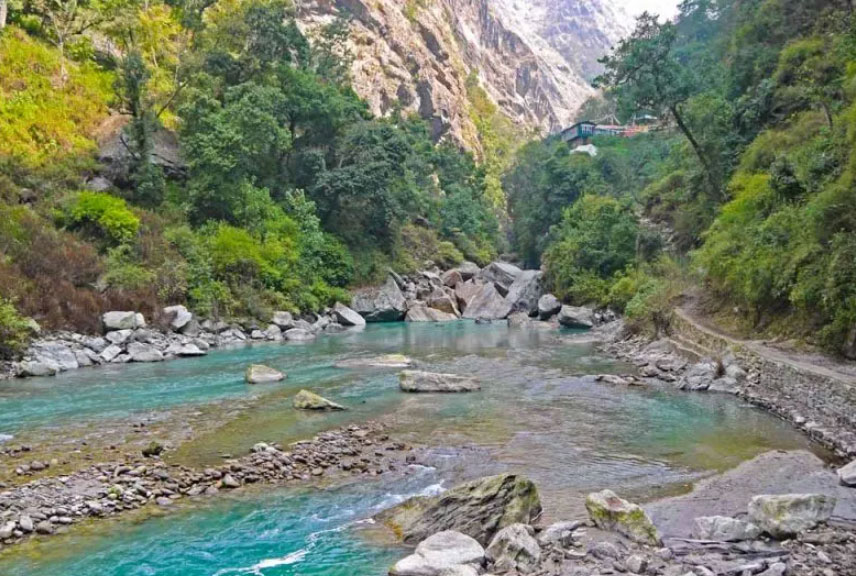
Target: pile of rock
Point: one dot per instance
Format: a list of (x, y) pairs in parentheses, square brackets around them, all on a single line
[(495, 292), (43, 506), (618, 537), (127, 338)]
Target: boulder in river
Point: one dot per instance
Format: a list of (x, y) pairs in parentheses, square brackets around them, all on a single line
[(501, 274), (724, 528), (346, 316), (439, 553), (847, 474), (514, 548), (576, 317), (260, 374), (524, 292), (609, 512), (141, 352), (299, 335), (419, 381), (479, 509), (548, 306), (119, 320), (55, 354), (306, 400), (420, 312), (786, 515), (384, 361), (487, 304), (384, 303)]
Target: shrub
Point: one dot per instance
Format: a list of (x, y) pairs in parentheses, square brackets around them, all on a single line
[(448, 255), (103, 217), (14, 331)]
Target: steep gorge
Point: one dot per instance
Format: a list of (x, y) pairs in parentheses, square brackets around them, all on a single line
[(418, 55)]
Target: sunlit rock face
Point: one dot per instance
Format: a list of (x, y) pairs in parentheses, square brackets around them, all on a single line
[(533, 57)]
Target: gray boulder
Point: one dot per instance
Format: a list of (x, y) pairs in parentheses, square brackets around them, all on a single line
[(468, 270), (698, 377), (487, 304), (190, 349), (179, 316), (118, 336), (420, 312), (452, 278), (419, 381), (440, 552), (576, 317), (514, 548), (383, 303), (548, 306), (141, 352), (283, 319), (464, 293), (299, 335), (561, 533), (55, 354), (36, 368), (261, 374), (273, 333), (96, 344), (724, 528), (786, 515), (110, 353), (347, 317), (439, 300), (847, 474), (118, 320), (524, 292), (609, 512), (479, 509), (502, 274)]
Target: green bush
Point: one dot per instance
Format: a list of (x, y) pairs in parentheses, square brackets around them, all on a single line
[(103, 217), (448, 255), (15, 331)]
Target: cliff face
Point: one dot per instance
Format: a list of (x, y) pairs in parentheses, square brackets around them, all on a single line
[(419, 54)]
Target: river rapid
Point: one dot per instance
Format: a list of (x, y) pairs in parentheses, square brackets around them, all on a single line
[(540, 413)]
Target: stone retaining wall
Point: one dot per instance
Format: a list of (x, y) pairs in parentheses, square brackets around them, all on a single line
[(819, 402)]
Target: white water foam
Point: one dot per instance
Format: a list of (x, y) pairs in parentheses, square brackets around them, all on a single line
[(5, 438)]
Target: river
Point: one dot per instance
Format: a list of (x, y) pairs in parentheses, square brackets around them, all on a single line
[(540, 412)]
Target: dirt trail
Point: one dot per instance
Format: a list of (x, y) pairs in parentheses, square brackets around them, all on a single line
[(818, 364)]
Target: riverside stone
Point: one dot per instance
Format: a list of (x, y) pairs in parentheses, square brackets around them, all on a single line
[(514, 548), (260, 374), (384, 361), (419, 381), (486, 303), (561, 533), (479, 509), (468, 269), (283, 319), (441, 551), (501, 274), (576, 317), (55, 354), (785, 515), (548, 306), (110, 353), (724, 528), (179, 316), (119, 320), (144, 352), (847, 474), (452, 278), (306, 400), (525, 291), (346, 316), (420, 312), (439, 300), (609, 512), (385, 303), (299, 335)]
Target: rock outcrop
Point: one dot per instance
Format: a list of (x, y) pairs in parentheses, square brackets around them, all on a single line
[(479, 509)]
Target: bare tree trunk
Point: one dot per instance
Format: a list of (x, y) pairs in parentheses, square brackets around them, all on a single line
[(4, 8), (708, 169)]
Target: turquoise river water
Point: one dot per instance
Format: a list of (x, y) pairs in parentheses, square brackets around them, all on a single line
[(540, 412)]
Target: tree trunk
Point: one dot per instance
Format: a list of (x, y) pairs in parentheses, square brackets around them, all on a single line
[(4, 7), (708, 170)]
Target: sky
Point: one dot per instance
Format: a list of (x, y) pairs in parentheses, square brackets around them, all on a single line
[(666, 8)]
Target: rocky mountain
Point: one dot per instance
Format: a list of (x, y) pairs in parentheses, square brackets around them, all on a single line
[(533, 57)]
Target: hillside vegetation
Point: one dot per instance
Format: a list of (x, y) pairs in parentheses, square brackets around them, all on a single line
[(287, 191), (750, 181)]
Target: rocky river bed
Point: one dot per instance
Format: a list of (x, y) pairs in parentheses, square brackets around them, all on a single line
[(539, 401)]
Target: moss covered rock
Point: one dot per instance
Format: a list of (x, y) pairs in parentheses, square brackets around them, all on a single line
[(479, 509), (609, 512), (306, 400)]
